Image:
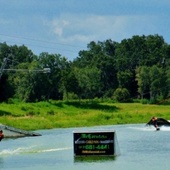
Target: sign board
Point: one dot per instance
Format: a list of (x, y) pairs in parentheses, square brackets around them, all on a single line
[(94, 143)]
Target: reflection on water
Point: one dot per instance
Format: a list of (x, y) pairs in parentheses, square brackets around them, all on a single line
[(82, 159), (139, 145), (1, 162)]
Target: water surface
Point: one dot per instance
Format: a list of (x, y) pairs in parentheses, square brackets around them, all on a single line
[(140, 148)]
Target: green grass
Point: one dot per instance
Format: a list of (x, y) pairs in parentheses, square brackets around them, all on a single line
[(58, 114)]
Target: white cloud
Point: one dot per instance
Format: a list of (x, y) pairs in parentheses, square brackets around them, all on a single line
[(71, 28), (58, 26)]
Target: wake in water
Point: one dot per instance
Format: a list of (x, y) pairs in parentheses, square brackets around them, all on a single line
[(150, 128), (165, 128), (28, 150), (53, 150)]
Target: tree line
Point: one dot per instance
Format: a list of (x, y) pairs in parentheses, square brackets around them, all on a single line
[(138, 67)]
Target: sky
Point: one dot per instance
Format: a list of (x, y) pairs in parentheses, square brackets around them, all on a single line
[(67, 26)]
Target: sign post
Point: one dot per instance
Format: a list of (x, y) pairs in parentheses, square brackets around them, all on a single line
[(94, 143)]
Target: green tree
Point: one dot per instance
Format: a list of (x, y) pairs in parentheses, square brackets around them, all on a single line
[(100, 55), (50, 87), (157, 83), (88, 82), (152, 81), (69, 84), (24, 81), (124, 79), (11, 57), (143, 80), (168, 82)]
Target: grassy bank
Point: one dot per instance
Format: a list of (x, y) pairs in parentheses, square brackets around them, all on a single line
[(56, 114)]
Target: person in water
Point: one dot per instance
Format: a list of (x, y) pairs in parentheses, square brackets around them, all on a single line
[(154, 121), (1, 135)]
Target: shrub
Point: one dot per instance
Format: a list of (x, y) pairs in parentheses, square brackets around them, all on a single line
[(121, 95), (51, 112), (70, 96), (144, 101)]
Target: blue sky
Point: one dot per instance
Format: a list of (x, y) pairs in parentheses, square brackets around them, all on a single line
[(66, 26)]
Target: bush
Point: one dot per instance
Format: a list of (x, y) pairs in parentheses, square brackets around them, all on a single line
[(51, 112), (121, 95), (31, 113), (13, 101), (144, 101), (70, 96)]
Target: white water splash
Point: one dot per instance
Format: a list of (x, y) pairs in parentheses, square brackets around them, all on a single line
[(34, 149), (150, 128), (53, 150), (145, 128), (14, 151), (165, 128)]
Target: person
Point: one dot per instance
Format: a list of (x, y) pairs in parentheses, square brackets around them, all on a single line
[(154, 121), (1, 135)]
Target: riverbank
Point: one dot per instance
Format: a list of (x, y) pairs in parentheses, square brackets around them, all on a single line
[(58, 114)]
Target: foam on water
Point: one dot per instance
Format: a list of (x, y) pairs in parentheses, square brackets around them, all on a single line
[(53, 150), (27, 150), (150, 128), (15, 151), (165, 128)]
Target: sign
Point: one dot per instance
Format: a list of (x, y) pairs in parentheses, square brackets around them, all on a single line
[(94, 143)]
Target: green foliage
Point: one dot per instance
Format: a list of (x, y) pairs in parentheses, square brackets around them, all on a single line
[(152, 81), (139, 64), (124, 78), (70, 96), (51, 112), (144, 101), (143, 80), (121, 95), (13, 100), (88, 81)]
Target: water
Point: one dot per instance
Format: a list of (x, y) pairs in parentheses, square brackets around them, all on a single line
[(140, 147)]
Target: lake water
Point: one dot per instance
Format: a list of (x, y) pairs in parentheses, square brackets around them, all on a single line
[(140, 148)]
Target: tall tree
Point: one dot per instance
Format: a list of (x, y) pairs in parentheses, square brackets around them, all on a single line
[(10, 58), (143, 80), (100, 55), (88, 81), (157, 83), (51, 85)]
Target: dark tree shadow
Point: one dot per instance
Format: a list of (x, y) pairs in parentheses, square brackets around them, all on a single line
[(4, 113), (92, 105)]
